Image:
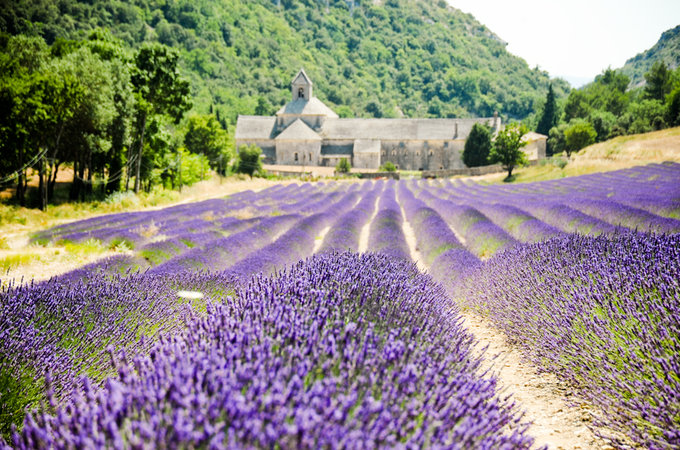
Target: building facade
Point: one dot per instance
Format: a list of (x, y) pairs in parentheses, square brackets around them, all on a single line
[(307, 132)]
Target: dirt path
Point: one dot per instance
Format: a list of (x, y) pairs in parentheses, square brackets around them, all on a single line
[(365, 231), (319, 239), (542, 397)]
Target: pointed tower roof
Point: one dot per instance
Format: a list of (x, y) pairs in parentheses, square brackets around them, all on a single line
[(302, 78), (298, 131)]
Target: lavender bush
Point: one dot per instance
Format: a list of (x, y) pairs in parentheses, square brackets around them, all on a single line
[(602, 313), (341, 351)]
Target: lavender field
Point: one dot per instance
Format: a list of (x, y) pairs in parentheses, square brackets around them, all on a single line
[(296, 317)]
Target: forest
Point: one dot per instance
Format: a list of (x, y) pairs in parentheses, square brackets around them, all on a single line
[(610, 106), (132, 95)]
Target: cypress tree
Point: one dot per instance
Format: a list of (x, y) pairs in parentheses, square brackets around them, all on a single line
[(549, 117), (477, 146)]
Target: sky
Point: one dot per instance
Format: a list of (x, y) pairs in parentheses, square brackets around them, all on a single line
[(576, 39)]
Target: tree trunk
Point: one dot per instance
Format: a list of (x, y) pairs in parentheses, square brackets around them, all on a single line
[(139, 154), (75, 191), (81, 178), (42, 185), (52, 181)]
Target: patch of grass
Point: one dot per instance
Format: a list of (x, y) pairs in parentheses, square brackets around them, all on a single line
[(19, 259), (19, 391)]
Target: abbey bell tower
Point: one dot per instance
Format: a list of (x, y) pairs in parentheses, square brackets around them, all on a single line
[(301, 87)]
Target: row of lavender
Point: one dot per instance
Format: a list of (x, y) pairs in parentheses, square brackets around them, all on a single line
[(342, 350)]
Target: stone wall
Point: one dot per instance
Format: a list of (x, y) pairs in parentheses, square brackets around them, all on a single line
[(423, 155), (298, 153), (467, 171)]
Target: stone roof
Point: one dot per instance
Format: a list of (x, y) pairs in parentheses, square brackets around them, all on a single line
[(255, 127), (399, 129), (298, 131), (533, 136), (302, 78), (366, 146), (259, 127), (311, 107)]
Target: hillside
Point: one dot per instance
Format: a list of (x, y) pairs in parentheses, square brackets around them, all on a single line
[(666, 49), (621, 152), (368, 59)]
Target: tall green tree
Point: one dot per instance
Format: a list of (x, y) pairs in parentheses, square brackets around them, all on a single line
[(549, 117), (21, 115), (159, 90), (658, 82), (507, 148), (579, 134), (249, 160), (477, 146), (205, 136)]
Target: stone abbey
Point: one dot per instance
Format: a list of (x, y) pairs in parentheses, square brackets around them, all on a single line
[(307, 132)]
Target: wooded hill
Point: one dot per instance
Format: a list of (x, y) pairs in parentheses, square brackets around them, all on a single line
[(667, 50), (366, 58)]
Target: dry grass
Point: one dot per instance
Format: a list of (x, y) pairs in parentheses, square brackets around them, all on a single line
[(19, 259), (619, 153)]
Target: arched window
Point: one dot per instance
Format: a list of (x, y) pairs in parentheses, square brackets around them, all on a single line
[(310, 157), (417, 152), (431, 153), (394, 153), (296, 156), (301, 93)]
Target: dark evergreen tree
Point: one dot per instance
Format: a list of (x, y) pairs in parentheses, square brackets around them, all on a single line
[(549, 116), (477, 146), (658, 82)]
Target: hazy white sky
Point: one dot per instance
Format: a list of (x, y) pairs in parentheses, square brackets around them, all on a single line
[(575, 39)]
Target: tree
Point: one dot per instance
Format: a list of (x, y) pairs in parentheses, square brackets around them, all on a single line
[(556, 141), (549, 116), (673, 108), (507, 148), (205, 136), (387, 167), (658, 82), (577, 106), (343, 166), (578, 134), (159, 90), (477, 146), (249, 159)]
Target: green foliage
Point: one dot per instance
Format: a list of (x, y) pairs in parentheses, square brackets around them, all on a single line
[(387, 167), (477, 146), (556, 140), (577, 135), (507, 148), (375, 59), (206, 136), (549, 116), (159, 90), (658, 82), (343, 166), (249, 159)]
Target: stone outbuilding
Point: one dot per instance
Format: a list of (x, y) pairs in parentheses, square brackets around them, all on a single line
[(307, 132), (536, 145)]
